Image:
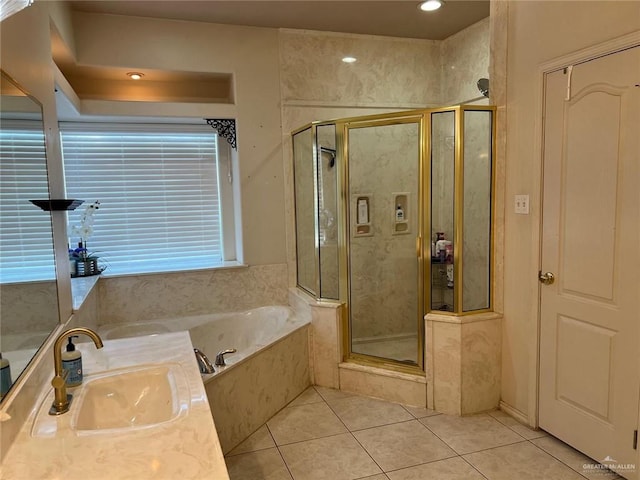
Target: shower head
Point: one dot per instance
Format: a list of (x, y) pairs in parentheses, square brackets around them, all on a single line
[(483, 86), (332, 152)]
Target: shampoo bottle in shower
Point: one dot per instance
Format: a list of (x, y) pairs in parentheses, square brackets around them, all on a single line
[(363, 211), (72, 361), (399, 214), (5, 376)]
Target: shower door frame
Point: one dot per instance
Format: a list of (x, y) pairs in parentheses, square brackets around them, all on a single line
[(316, 282), (423, 118), (458, 202), (342, 129)]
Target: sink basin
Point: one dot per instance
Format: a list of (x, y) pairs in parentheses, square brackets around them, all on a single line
[(121, 400), (135, 398)]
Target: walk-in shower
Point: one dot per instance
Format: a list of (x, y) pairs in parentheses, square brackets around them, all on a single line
[(393, 219)]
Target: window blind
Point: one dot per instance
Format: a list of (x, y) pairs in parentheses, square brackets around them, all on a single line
[(158, 192), (26, 243)]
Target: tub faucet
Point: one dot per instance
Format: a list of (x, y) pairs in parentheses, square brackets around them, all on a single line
[(203, 362), (220, 357), (62, 400)]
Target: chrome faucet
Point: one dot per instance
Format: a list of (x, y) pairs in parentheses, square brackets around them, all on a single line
[(220, 357), (62, 400), (203, 362)]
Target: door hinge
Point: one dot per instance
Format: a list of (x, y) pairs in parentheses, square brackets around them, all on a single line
[(635, 439)]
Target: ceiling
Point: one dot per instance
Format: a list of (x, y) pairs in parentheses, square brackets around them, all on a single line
[(397, 18)]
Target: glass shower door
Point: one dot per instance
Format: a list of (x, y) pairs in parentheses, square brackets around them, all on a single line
[(385, 286)]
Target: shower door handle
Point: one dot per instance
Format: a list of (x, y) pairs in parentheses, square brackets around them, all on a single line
[(418, 246)]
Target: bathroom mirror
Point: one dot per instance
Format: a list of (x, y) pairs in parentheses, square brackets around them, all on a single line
[(28, 289)]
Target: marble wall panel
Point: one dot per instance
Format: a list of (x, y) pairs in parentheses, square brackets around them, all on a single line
[(173, 295), (388, 71), (384, 384), (481, 369), (465, 59), (465, 352), (446, 368), (326, 345), (245, 397)]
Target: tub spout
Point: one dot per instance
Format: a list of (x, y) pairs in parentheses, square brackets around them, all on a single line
[(220, 357), (203, 362)]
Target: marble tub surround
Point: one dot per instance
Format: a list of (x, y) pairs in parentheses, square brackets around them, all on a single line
[(464, 353), (248, 395), (186, 447), (325, 336), (327, 434), (179, 294), (326, 341)]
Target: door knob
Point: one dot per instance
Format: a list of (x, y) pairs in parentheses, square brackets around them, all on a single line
[(546, 278)]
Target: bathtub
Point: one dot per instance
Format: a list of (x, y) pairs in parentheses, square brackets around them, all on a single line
[(269, 368)]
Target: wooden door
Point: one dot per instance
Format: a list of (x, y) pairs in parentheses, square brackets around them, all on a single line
[(589, 333)]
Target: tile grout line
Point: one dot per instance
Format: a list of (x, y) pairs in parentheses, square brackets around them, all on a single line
[(455, 455), (475, 451), (354, 437), (286, 465), (474, 467), (493, 448), (520, 424), (565, 463)]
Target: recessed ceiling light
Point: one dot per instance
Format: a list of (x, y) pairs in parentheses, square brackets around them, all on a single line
[(431, 5), (349, 59), (135, 75)]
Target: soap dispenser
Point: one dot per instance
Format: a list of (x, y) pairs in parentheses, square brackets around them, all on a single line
[(72, 362), (5, 376)]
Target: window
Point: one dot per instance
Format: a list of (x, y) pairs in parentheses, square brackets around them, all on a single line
[(25, 230), (158, 187)]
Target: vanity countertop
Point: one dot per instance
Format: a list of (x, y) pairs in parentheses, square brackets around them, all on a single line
[(184, 448)]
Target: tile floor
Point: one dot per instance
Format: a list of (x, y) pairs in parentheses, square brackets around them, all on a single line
[(333, 435)]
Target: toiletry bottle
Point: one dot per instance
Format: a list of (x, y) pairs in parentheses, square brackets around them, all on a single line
[(5, 376), (399, 214), (72, 361), (363, 211)]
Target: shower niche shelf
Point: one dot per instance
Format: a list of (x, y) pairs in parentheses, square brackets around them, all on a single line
[(362, 213), (401, 202)]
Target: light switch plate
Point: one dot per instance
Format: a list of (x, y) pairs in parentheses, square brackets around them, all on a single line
[(522, 204)]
